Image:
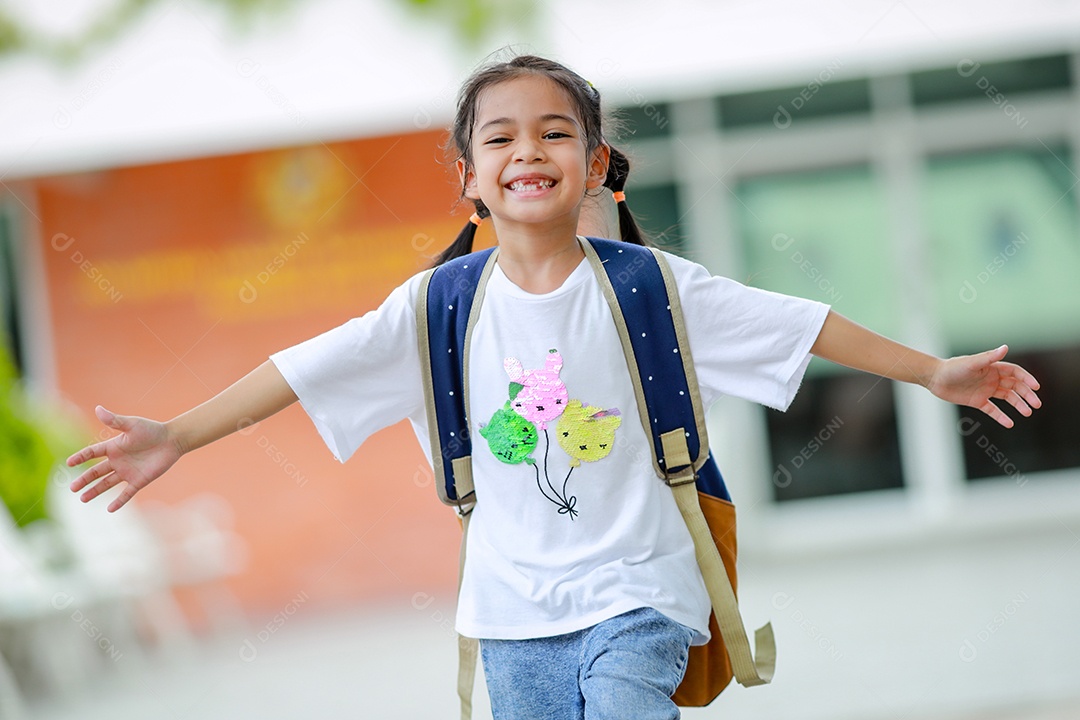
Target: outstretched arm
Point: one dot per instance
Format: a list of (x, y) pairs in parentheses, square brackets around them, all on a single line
[(970, 380), (145, 449)]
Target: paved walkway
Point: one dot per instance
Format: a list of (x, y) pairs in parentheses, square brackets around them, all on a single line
[(369, 665)]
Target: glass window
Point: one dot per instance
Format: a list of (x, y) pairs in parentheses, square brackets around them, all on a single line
[(10, 331), (823, 235), (1046, 440), (1005, 256), (970, 79), (839, 436), (656, 209), (644, 121), (821, 97)]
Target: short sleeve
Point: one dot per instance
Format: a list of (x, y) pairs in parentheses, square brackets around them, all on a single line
[(746, 342), (361, 376)]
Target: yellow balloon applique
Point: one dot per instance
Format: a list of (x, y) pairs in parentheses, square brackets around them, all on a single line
[(587, 433)]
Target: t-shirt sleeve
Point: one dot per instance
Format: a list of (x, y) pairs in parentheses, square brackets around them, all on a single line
[(361, 376), (746, 342)]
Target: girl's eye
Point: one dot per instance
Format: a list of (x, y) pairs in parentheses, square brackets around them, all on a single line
[(556, 134), (494, 141)]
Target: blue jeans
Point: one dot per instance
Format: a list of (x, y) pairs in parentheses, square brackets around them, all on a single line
[(624, 667)]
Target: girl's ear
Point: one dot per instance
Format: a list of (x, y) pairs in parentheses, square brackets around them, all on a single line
[(468, 180), (598, 166)]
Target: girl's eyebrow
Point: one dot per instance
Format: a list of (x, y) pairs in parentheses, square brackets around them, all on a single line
[(547, 117)]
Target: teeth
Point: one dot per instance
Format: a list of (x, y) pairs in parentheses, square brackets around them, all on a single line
[(527, 185)]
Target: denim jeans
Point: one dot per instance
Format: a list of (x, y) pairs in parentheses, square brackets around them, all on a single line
[(625, 667)]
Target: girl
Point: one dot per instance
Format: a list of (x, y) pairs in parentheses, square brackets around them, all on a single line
[(585, 599)]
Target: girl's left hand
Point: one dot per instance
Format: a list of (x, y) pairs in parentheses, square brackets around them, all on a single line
[(973, 380)]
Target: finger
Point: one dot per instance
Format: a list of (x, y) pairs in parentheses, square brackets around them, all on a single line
[(1020, 374), (996, 414), (989, 357), (1030, 396), (116, 422), (122, 499), (1014, 399), (100, 470), (1024, 385), (104, 484), (87, 453)]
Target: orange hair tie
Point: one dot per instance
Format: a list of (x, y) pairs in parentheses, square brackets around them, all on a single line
[(475, 219), (619, 196)]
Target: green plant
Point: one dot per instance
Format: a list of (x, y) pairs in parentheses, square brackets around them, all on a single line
[(29, 450)]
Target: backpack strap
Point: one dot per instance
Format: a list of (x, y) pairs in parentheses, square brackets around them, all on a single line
[(644, 301), (447, 306), (445, 315), (468, 648)]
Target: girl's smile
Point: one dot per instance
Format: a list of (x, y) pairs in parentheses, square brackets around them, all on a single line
[(531, 185)]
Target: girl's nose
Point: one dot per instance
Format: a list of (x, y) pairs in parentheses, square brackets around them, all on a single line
[(528, 150)]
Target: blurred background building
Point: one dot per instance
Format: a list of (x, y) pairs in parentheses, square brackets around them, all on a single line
[(187, 197)]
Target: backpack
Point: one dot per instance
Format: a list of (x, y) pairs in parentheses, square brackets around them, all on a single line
[(644, 302)]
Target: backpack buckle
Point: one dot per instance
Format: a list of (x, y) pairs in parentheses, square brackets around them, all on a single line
[(677, 454), (682, 477), (463, 508)]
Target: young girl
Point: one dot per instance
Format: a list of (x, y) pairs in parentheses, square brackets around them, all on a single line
[(584, 589)]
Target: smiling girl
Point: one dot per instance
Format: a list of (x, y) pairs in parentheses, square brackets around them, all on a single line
[(583, 609)]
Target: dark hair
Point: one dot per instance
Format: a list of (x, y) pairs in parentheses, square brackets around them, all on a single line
[(586, 101)]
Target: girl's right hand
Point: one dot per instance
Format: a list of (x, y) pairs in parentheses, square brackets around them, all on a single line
[(141, 453)]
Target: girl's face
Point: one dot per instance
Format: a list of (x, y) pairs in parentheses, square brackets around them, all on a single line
[(529, 160)]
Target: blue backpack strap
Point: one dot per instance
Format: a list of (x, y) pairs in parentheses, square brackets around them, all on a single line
[(644, 300), (447, 305)]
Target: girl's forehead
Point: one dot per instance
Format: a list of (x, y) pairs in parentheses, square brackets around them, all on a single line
[(523, 98)]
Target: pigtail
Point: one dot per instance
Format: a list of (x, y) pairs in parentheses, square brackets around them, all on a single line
[(618, 171), (463, 244)]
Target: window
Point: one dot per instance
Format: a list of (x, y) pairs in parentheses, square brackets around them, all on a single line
[(656, 209), (1045, 441), (823, 235), (1005, 258), (644, 121), (820, 97), (969, 79), (10, 330)]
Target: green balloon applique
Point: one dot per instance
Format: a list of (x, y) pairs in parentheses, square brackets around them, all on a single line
[(510, 436)]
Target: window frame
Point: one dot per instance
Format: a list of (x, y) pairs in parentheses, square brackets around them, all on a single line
[(705, 162)]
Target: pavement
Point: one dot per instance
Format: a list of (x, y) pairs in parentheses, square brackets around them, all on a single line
[(373, 664)]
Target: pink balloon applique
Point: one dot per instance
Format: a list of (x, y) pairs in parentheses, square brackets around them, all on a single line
[(543, 394)]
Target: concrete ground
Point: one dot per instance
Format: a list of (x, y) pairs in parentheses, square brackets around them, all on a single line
[(395, 664)]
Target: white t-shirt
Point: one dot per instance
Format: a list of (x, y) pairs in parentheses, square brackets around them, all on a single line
[(571, 526)]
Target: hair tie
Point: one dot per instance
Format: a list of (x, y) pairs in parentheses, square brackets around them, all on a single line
[(475, 219), (619, 196)]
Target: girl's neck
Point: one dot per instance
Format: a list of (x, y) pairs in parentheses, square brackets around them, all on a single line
[(538, 260)]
